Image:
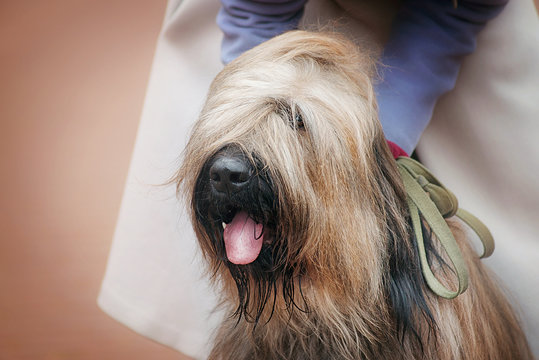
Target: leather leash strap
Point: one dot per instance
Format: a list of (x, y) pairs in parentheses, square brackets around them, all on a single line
[(428, 197)]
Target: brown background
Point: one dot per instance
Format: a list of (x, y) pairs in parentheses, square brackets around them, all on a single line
[(72, 81)]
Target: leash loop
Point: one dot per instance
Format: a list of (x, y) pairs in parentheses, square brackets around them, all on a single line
[(428, 197)]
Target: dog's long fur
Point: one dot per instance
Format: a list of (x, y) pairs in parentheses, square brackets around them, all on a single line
[(338, 276)]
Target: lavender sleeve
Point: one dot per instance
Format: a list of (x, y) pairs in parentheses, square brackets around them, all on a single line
[(422, 59), (247, 23)]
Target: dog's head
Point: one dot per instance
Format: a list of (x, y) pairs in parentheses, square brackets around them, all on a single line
[(288, 172)]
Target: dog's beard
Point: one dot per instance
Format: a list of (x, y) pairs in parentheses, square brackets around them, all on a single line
[(258, 208), (254, 207)]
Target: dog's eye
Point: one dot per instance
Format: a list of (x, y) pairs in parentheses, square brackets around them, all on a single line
[(291, 114), (297, 122)]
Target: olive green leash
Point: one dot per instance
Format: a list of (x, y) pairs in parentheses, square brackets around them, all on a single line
[(428, 197)]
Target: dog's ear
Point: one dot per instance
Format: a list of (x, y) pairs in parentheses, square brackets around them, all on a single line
[(407, 293), (404, 280)]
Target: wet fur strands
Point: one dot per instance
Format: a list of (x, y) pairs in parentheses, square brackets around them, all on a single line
[(301, 215)]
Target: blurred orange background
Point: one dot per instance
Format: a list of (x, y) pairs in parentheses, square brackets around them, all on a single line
[(72, 81)]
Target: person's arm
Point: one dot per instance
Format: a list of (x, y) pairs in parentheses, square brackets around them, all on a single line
[(422, 59), (247, 23)]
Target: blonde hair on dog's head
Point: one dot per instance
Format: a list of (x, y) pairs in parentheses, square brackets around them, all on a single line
[(324, 81)]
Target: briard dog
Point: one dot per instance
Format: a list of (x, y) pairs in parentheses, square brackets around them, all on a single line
[(303, 217)]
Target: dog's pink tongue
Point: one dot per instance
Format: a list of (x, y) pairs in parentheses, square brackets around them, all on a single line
[(243, 239)]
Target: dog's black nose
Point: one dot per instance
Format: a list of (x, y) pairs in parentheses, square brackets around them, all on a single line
[(229, 174)]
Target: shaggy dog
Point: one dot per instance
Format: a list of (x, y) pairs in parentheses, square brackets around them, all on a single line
[(302, 216)]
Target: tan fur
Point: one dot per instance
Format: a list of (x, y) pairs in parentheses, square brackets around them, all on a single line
[(342, 198)]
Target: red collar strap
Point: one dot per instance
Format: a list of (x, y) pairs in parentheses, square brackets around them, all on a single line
[(396, 149)]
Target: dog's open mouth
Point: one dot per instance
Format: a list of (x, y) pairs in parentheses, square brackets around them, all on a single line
[(243, 238), (236, 192)]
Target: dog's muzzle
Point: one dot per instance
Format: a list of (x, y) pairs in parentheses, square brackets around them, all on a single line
[(234, 194)]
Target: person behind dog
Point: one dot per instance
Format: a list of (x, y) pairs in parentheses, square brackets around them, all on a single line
[(136, 284), (420, 62)]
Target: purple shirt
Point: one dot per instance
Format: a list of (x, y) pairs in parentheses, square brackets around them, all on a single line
[(421, 60), (247, 23)]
